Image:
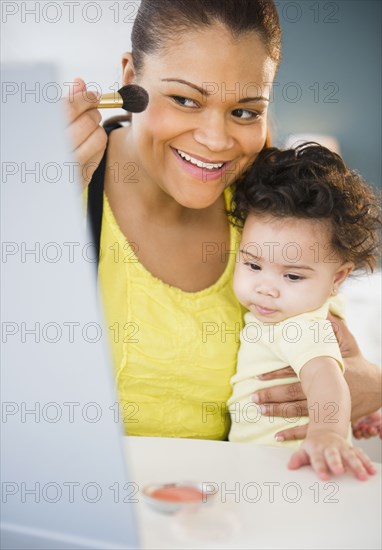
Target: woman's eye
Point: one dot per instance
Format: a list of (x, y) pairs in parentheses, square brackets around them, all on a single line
[(244, 114), (184, 101), (292, 277), (253, 266)]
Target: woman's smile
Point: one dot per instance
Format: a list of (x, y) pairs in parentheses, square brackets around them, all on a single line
[(202, 169)]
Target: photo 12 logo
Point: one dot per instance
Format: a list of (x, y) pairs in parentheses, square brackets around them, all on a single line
[(69, 12)]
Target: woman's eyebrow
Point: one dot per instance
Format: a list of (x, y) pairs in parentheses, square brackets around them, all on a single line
[(257, 98), (205, 93), (190, 84)]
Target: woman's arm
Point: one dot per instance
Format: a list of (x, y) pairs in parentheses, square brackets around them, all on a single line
[(364, 380)]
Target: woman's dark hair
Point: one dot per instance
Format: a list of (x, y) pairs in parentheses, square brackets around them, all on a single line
[(311, 182), (160, 22)]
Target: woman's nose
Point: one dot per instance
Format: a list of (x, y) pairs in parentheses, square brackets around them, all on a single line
[(213, 134)]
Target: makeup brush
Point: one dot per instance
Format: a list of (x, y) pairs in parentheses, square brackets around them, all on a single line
[(132, 98)]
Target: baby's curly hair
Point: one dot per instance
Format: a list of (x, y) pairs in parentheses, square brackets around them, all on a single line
[(311, 182)]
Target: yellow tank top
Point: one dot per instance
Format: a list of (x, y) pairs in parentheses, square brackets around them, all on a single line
[(174, 352)]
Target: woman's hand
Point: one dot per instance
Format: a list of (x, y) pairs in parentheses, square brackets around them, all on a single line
[(363, 378), (89, 139), (288, 400), (368, 426), (329, 453)]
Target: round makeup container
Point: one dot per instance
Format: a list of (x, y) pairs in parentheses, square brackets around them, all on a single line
[(173, 497)]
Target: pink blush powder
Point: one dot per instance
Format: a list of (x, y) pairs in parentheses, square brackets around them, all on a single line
[(178, 494)]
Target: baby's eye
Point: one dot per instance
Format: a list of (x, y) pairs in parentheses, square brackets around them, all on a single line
[(254, 267), (292, 277), (245, 114), (184, 101)]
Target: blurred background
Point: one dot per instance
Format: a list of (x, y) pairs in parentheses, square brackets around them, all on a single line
[(329, 83)]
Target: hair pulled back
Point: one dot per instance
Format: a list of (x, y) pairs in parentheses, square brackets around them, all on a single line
[(159, 22)]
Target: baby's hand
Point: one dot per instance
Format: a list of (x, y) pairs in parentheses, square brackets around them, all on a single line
[(368, 426), (329, 453)]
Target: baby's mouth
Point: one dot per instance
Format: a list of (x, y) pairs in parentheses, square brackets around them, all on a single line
[(265, 310)]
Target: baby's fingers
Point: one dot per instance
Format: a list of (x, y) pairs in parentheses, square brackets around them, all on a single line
[(316, 459), (354, 462), (319, 465), (298, 459), (334, 461), (367, 463)]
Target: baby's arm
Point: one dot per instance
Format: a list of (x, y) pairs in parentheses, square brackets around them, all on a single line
[(325, 447)]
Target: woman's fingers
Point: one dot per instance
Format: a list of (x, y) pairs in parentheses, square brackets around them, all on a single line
[(294, 409), (368, 426), (90, 152), (365, 432), (79, 101), (77, 86), (88, 138), (84, 126), (284, 393), (292, 434), (287, 372), (93, 145), (347, 342)]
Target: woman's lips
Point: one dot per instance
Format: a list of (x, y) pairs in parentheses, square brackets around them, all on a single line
[(203, 174)]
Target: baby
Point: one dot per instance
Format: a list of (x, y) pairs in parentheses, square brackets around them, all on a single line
[(309, 222)]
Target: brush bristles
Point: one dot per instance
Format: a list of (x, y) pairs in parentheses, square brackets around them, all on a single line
[(135, 98)]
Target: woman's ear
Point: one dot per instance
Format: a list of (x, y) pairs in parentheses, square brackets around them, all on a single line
[(128, 69), (341, 274)]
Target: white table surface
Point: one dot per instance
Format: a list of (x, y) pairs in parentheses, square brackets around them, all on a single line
[(343, 513)]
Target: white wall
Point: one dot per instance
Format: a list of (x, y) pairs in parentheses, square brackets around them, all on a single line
[(62, 32)]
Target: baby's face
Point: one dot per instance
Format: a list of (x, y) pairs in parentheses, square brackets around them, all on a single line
[(286, 267)]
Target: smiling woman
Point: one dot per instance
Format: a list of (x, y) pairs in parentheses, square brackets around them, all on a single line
[(167, 252), (186, 120)]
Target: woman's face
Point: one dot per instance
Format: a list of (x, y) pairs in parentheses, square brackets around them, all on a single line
[(207, 116)]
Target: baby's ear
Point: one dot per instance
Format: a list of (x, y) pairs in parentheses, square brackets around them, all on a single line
[(342, 273)]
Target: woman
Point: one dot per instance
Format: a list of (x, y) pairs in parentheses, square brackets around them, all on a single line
[(167, 251)]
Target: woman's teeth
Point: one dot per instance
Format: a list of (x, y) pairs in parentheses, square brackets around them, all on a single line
[(199, 163)]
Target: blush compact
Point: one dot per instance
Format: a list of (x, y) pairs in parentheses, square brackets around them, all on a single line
[(173, 497)]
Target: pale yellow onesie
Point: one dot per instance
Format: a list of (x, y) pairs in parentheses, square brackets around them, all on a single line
[(266, 347)]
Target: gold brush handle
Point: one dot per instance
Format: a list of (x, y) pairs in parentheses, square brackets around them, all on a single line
[(110, 101)]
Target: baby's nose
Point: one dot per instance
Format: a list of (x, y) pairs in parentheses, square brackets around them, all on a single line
[(267, 289)]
